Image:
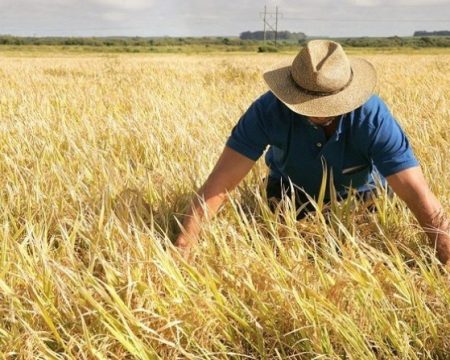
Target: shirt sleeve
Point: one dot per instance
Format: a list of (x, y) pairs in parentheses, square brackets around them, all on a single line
[(250, 136), (388, 144)]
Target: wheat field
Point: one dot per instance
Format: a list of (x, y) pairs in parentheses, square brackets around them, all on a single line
[(99, 157)]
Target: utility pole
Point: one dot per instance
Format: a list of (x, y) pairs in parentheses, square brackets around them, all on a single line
[(276, 25), (268, 18), (265, 13)]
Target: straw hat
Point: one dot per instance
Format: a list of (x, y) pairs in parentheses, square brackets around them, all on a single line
[(322, 81)]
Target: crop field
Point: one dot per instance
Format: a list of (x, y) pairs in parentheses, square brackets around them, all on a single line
[(99, 158)]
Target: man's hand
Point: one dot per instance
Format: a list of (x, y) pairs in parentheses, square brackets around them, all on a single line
[(410, 185), (184, 246)]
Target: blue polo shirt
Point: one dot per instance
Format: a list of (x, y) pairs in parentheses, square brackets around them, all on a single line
[(368, 145)]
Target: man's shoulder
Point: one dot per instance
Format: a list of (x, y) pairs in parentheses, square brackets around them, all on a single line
[(372, 112), (268, 101), (272, 108), (374, 103)]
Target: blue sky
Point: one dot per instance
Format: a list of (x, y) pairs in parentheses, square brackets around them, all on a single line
[(220, 17)]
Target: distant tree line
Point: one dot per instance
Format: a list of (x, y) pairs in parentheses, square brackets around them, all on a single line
[(70, 41), (136, 41), (248, 41), (396, 41), (270, 35), (432, 33)]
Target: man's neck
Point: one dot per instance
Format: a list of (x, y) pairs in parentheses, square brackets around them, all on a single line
[(330, 128)]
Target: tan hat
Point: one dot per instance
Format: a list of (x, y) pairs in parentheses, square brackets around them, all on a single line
[(322, 81)]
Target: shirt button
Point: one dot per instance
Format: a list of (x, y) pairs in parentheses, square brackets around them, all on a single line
[(319, 144)]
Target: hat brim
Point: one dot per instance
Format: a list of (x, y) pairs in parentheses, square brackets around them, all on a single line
[(353, 96)]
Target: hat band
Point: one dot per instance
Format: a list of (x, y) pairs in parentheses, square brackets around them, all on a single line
[(326, 93)]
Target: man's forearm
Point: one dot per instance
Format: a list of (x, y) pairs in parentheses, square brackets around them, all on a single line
[(204, 206), (411, 186), (226, 175)]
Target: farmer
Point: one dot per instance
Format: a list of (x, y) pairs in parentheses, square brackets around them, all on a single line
[(321, 111)]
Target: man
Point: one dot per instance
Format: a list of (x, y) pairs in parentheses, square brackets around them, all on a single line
[(321, 111)]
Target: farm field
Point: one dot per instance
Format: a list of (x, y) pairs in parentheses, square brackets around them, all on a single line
[(100, 155)]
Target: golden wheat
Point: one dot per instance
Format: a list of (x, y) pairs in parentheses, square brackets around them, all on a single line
[(99, 156)]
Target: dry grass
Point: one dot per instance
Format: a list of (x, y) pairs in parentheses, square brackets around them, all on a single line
[(99, 155)]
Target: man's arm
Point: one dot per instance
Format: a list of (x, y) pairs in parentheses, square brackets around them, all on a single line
[(410, 185), (230, 169)]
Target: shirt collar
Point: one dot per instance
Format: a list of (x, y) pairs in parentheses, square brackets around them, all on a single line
[(339, 128)]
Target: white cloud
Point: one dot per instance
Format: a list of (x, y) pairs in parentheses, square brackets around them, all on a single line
[(220, 17), (368, 3), (390, 3), (421, 2), (125, 4), (114, 16)]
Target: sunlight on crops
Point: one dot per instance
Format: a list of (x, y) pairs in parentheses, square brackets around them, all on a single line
[(99, 159)]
